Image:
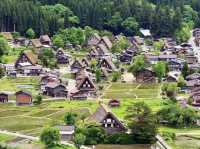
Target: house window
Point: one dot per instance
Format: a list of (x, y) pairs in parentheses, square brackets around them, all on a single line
[(109, 120)]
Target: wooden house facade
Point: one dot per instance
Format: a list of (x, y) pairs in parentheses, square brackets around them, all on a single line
[(4, 97), (145, 76), (55, 90), (76, 66), (23, 98)]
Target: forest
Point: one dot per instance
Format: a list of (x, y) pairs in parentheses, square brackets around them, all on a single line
[(162, 17)]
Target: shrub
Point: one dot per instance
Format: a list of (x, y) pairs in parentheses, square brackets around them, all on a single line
[(50, 136), (169, 136), (119, 138)]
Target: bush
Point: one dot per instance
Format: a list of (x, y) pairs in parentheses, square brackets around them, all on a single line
[(38, 100), (179, 117), (100, 87), (94, 134), (170, 89), (50, 137), (70, 118), (116, 76), (169, 136), (119, 138)]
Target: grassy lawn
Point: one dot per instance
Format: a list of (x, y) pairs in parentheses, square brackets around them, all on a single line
[(74, 105), (9, 59), (125, 90), (186, 138), (11, 113), (186, 142), (155, 104), (12, 55), (180, 130), (19, 123), (5, 138), (15, 84), (43, 113), (32, 119)]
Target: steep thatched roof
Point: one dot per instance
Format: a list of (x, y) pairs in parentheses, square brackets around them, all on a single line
[(7, 35), (31, 56), (101, 113), (36, 43)]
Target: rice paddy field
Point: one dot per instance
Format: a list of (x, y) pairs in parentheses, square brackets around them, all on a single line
[(20, 83), (124, 90), (31, 120)]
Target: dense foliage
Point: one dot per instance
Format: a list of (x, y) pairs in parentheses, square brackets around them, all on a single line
[(177, 116), (164, 18), (142, 123), (50, 137), (47, 58)]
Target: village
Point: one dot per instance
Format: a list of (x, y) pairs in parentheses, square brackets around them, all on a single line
[(43, 81)]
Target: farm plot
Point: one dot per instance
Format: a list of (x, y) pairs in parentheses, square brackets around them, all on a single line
[(133, 91), (20, 123), (7, 113), (186, 142), (15, 84)]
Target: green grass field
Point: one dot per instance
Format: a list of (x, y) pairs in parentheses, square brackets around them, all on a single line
[(5, 138), (186, 142), (119, 90), (32, 119), (16, 84)]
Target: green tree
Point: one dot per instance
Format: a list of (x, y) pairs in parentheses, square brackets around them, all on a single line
[(181, 82), (50, 137), (130, 26), (93, 64), (79, 140), (15, 35), (177, 116), (4, 47), (121, 45), (98, 75), (185, 70), (72, 35), (30, 33), (2, 72), (94, 134), (58, 41), (160, 70), (158, 45), (190, 15), (138, 64), (116, 76), (183, 34), (142, 123), (115, 22), (38, 100), (70, 118), (47, 58), (170, 89)]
